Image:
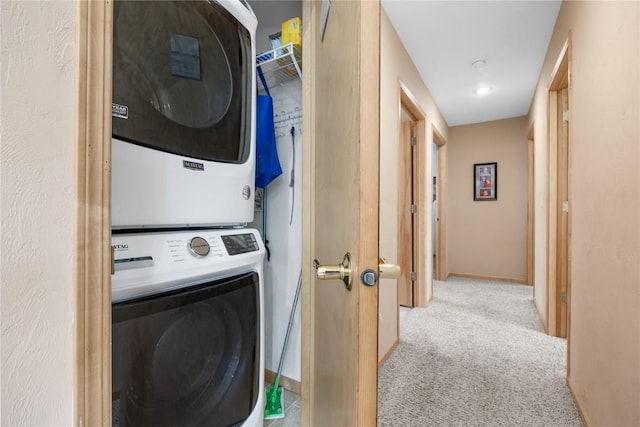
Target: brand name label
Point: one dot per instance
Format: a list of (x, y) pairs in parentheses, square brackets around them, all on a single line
[(193, 165), (120, 247), (121, 111)]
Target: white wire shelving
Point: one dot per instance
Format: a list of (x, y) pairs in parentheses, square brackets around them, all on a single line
[(280, 65)]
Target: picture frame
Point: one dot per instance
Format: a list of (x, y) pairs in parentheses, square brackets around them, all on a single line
[(485, 181)]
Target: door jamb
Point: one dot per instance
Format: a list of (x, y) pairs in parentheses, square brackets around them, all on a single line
[(93, 216), (441, 188), (409, 103)]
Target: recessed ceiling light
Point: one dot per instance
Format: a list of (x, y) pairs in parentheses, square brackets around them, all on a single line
[(479, 64), (482, 90)]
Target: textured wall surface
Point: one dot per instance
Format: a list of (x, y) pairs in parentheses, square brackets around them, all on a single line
[(604, 334), (395, 67), (488, 238), (37, 204)]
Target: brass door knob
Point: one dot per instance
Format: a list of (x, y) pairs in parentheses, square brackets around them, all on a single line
[(335, 271), (388, 271)]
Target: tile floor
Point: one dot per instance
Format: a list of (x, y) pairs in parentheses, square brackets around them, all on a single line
[(291, 412)]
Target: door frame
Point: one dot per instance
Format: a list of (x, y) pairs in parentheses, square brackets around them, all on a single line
[(93, 255), (560, 79), (441, 191), (409, 104)]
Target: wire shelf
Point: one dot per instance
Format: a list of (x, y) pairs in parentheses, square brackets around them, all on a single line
[(280, 65)]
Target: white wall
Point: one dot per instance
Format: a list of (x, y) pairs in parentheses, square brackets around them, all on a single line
[(285, 240), (37, 205)]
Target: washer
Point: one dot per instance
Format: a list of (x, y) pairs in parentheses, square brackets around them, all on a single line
[(188, 334)]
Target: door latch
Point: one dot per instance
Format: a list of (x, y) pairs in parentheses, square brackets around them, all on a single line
[(335, 271)]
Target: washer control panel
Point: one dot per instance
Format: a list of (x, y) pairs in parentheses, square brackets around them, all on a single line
[(237, 244), (148, 263)]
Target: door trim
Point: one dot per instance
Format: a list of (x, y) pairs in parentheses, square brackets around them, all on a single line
[(409, 103), (307, 312), (560, 78), (441, 190), (531, 211), (93, 216)]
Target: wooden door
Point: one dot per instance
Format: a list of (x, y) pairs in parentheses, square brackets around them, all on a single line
[(406, 215), (562, 264), (441, 215), (530, 208), (340, 211)]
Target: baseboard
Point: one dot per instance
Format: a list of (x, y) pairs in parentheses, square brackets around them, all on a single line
[(289, 384), (494, 278), (388, 353), (583, 415)]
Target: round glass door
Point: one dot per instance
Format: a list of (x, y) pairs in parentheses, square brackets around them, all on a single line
[(176, 60)]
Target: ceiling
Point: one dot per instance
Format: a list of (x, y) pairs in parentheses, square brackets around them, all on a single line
[(444, 38)]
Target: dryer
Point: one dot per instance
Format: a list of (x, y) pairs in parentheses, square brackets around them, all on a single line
[(183, 148)]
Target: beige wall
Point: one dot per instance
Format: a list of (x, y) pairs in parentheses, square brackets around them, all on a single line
[(488, 238), (396, 67), (605, 212), (37, 188)]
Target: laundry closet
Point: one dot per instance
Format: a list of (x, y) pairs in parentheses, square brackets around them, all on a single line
[(206, 233), (278, 213)]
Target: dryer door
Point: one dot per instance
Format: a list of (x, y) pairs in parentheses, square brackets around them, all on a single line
[(182, 79), (189, 357)]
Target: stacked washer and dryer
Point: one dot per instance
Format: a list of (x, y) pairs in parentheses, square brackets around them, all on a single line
[(187, 292)]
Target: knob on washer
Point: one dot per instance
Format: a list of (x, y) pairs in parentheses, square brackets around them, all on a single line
[(199, 247)]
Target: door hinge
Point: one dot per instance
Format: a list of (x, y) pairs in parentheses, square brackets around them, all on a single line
[(414, 208), (565, 116), (564, 296), (414, 141), (565, 206), (414, 276)]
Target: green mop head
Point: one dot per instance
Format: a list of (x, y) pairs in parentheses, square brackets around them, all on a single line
[(274, 408)]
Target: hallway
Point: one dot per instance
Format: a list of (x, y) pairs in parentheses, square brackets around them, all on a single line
[(477, 356)]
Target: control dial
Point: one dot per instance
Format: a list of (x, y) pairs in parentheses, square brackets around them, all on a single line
[(199, 247)]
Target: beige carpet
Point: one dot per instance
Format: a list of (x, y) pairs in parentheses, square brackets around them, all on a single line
[(477, 356)]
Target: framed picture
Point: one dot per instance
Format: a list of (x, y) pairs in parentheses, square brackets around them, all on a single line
[(485, 181)]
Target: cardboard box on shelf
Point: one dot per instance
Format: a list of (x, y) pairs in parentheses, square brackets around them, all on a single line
[(292, 32)]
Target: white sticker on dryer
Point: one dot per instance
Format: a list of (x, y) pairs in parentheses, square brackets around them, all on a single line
[(121, 111)]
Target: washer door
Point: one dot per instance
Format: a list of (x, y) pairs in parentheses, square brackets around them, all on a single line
[(188, 358), (182, 79)]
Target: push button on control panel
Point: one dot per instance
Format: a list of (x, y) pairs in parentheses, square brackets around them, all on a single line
[(198, 247)]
